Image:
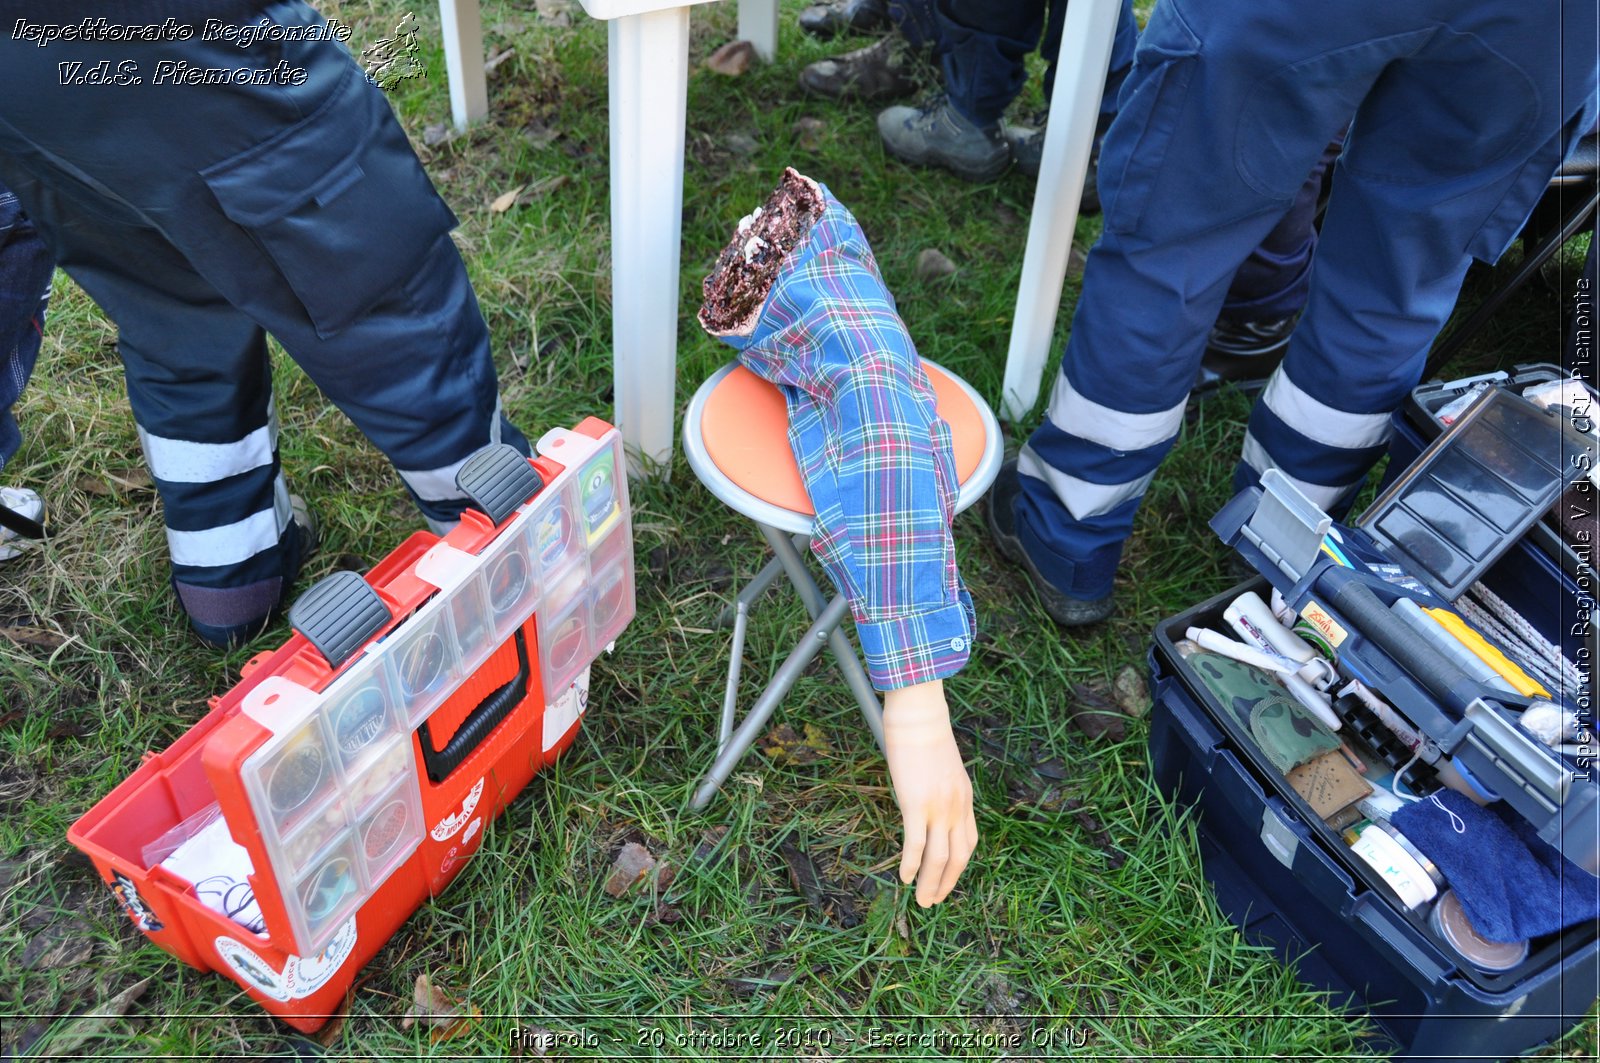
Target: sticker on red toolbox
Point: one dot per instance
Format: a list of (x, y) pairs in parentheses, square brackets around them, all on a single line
[(561, 714), (300, 977), (449, 825), (143, 918)]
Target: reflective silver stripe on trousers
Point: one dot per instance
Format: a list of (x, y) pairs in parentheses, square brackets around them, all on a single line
[(1114, 429), (185, 462), (1255, 455), (1082, 498), (230, 544), (1318, 421), (439, 485)]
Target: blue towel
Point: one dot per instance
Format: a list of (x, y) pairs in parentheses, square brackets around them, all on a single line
[(1512, 884)]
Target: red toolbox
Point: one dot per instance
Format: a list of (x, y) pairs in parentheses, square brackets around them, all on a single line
[(357, 764)]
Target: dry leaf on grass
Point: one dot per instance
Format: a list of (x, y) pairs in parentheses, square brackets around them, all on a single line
[(732, 59), (506, 200), (445, 1016), (632, 864), (36, 637), (60, 944), (85, 1028), (1095, 714)]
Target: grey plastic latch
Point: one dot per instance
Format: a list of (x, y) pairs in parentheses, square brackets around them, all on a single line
[(1527, 763), (498, 479), (338, 615), (1279, 838), (1287, 526)]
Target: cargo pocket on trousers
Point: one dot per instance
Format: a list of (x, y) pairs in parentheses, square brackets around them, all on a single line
[(1153, 102), (345, 225)]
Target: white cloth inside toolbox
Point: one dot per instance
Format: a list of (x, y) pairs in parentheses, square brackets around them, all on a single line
[(220, 870)]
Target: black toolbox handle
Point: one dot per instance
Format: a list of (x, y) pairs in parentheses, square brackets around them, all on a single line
[(480, 723)]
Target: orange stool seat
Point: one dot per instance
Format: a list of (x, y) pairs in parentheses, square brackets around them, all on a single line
[(740, 424)]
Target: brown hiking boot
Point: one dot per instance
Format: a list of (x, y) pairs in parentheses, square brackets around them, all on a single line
[(880, 71)]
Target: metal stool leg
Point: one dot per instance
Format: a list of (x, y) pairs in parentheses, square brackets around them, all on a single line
[(758, 586), (741, 740), (844, 655), (730, 696)]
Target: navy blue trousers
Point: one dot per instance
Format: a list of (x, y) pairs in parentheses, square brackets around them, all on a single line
[(25, 268), (1462, 111), (201, 218), (985, 45)]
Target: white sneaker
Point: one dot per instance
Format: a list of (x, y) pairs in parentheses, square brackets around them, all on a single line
[(25, 502)]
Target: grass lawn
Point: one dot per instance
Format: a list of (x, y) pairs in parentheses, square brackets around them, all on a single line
[(1084, 919)]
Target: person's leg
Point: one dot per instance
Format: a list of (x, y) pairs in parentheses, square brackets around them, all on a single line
[(1268, 292), (1121, 62), (1437, 171), (201, 392), (985, 49), (1252, 110), (303, 207), (25, 269), (1027, 140), (1156, 281)]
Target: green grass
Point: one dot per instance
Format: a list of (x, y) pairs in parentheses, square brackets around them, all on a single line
[(1046, 935)]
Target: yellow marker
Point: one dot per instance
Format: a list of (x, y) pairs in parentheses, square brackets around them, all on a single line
[(1489, 655)]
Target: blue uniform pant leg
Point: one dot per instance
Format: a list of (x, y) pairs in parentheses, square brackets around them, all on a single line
[(987, 46), (25, 269), (302, 207), (1440, 168), (918, 23), (1117, 67), (200, 388), (1180, 217), (1275, 280)]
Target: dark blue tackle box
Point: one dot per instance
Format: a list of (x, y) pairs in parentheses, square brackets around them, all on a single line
[(1281, 873)]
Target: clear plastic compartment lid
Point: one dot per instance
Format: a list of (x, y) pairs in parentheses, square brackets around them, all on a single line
[(1473, 493)]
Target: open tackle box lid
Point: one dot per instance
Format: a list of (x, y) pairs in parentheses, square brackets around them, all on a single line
[(1437, 529)]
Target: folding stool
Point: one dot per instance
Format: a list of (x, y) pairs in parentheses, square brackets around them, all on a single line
[(735, 435)]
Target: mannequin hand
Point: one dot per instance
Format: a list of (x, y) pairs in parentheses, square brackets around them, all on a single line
[(932, 788)]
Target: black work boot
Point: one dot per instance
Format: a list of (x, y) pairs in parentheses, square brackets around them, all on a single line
[(844, 16), (1027, 149), (1000, 515)]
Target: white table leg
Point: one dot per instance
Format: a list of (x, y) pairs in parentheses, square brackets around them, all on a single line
[(1074, 108), (649, 79), (758, 24), (463, 60)]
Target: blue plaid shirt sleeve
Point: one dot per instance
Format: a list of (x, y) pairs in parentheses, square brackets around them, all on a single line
[(874, 454)]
